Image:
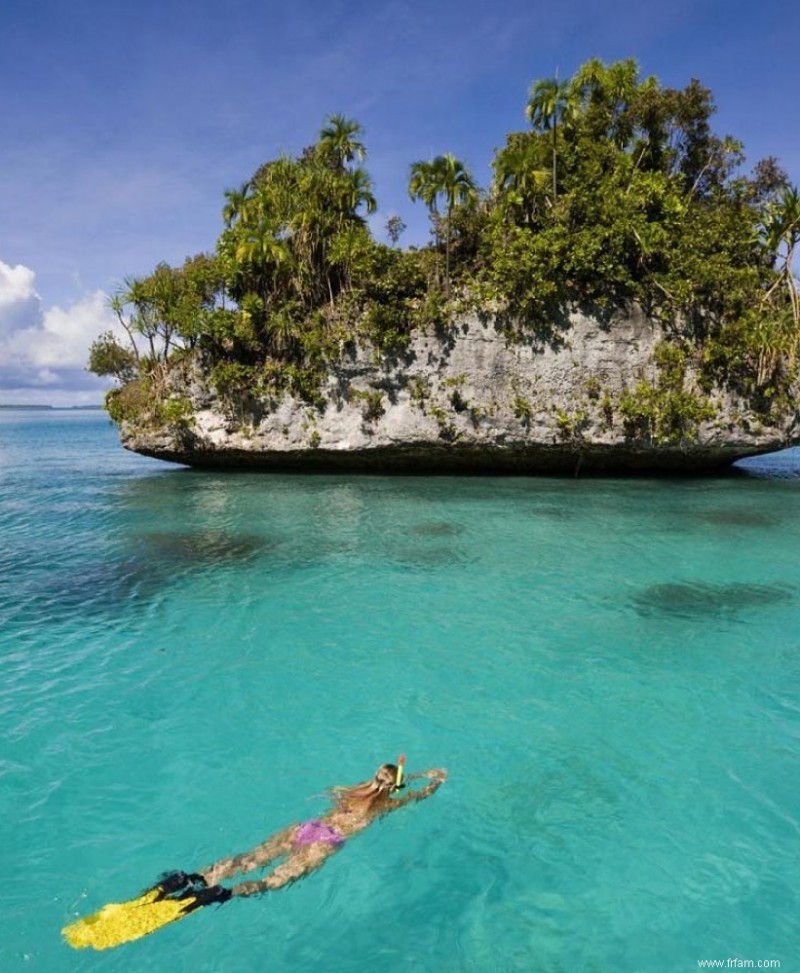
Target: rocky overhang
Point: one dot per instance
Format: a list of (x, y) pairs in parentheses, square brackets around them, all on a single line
[(466, 400)]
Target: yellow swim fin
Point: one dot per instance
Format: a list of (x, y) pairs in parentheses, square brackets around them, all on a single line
[(122, 922)]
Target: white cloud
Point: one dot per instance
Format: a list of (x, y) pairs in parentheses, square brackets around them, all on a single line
[(19, 302), (47, 348), (16, 284), (63, 338)]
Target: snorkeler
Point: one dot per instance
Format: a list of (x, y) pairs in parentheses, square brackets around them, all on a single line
[(304, 848)]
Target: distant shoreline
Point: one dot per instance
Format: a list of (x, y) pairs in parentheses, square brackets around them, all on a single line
[(51, 408)]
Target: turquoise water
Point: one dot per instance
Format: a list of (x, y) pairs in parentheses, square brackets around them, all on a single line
[(610, 671)]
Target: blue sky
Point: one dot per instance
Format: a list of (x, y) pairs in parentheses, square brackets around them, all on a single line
[(121, 122)]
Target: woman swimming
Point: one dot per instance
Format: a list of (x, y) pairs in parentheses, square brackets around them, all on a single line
[(305, 846)]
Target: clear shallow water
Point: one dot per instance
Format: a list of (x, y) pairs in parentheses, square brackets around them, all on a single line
[(610, 670)]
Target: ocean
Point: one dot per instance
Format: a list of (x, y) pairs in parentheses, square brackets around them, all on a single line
[(608, 669)]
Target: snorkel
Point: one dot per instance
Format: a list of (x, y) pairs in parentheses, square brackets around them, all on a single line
[(401, 766)]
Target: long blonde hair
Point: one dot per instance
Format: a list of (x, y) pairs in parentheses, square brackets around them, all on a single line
[(368, 793)]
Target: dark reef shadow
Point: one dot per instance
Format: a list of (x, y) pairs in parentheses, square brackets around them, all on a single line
[(438, 529), (688, 599), (200, 548), (738, 518), (150, 565)]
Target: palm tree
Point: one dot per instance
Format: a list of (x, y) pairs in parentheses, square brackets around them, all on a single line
[(422, 185), (357, 190), (605, 93), (551, 102), (265, 258), (457, 186), (519, 182), (261, 244), (283, 333), (338, 140), (780, 235), (443, 176), (236, 203)]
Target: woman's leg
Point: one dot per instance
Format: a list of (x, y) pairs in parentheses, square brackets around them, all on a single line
[(278, 844), (302, 861)]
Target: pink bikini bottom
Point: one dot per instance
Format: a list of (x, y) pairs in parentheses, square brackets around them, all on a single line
[(311, 832)]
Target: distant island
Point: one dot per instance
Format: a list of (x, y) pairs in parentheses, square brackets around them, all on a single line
[(622, 298), (35, 407), (56, 408)]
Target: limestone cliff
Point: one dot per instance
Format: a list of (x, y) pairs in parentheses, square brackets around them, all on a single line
[(472, 401)]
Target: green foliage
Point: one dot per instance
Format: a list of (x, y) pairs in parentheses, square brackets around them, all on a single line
[(177, 413), (665, 411), (523, 408), (107, 357), (754, 355), (141, 403), (447, 431), (371, 400), (297, 235), (395, 227), (392, 290), (305, 382), (571, 425), (419, 391), (606, 411), (233, 380), (132, 403), (593, 388), (449, 178), (339, 143), (171, 308), (619, 192)]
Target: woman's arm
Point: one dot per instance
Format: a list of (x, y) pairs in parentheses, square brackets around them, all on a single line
[(436, 776)]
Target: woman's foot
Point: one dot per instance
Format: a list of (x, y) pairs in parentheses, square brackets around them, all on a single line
[(175, 882), (206, 896)]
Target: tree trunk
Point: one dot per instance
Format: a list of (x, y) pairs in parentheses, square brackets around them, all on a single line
[(447, 250), (555, 134), (436, 241)]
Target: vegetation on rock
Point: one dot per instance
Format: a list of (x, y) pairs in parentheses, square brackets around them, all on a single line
[(619, 193)]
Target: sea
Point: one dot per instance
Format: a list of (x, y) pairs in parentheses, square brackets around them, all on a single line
[(608, 669)]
